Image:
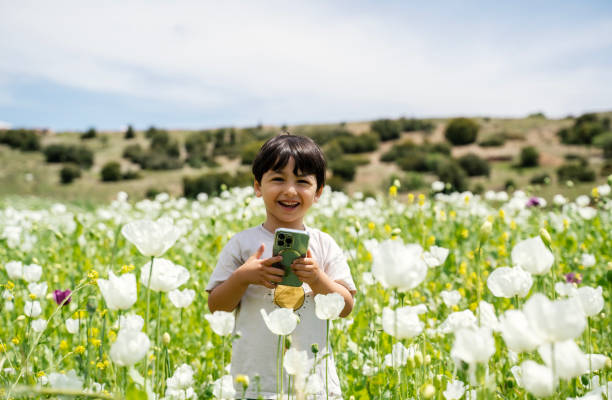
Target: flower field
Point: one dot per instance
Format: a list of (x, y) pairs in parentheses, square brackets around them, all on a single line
[(458, 296)]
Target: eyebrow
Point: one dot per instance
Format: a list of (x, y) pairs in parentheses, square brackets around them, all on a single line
[(300, 175)]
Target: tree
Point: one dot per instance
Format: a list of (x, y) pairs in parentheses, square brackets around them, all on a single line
[(461, 131)]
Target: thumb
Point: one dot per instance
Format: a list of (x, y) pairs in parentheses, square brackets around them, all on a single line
[(258, 252), (309, 254)]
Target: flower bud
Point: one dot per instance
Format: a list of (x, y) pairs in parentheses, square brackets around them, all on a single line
[(418, 358), (166, 338), (314, 348), (92, 304), (243, 380), (486, 229), (288, 342), (428, 391), (545, 237)]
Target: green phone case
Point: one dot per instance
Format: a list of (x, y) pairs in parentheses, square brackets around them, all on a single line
[(291, 244)]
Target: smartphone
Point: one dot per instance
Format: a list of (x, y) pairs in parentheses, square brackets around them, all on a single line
[(290, 244)]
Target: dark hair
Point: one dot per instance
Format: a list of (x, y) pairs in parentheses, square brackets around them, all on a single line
[(276, 152)]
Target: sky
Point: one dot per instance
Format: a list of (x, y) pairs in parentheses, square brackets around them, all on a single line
[(75, 64)]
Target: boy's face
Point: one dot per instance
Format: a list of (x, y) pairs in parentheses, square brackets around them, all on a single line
[(287, 197)]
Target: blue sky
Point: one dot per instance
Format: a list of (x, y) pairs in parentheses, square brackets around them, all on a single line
[(72, 64)]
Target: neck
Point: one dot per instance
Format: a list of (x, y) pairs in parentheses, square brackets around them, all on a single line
[(271, 226)]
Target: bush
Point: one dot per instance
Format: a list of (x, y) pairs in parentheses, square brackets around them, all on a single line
[(22, 139), (460, 131), (129, 133), (540, 179), (111, 172), (358, 143), (344, 168), (413, 124), (606, 168), (474, 165), (152, 192), (62, 153), (604, 141), (89, 134), (529, 157), (211, 183), (336, 183), (129, 175), (494, 140), (414, 161), (69, 173), (578, 172), (585, 129), (408, 182), (249, 151), (152, 160), (400, 150), (134, 153), (451, 173), (324, 135), (386, 129)]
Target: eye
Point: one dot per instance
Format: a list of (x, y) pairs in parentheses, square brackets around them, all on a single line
[(277, 178), (304, 181)]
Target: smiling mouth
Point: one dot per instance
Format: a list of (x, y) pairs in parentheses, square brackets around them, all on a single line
[(289, 204)]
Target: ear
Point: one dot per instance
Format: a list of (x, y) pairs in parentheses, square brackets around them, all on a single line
[(257, 187), (318, 194)]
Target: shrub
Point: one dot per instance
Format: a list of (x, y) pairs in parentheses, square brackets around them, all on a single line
[(386, 129), (152, 160), (336, 183), (134, 153), (451, 173), (606, 168), (474, 165), (358, 143), (509, 185), (62, 153), (408, 182), (22, 139), (585, 129), (460, 131), (249, 151), (604, 141), (111, 172), (69, 173), (344, 168), (440, 147), (572, 171), (494, 140), (211, 183), (131, 174), (413, 124), (529, 157), (540, 179), (129, 133), (399, 150), (414, 161), (324, 135), (332, 150), (89, 134)]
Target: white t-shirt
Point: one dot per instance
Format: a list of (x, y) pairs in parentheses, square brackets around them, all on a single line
[(255, 351)]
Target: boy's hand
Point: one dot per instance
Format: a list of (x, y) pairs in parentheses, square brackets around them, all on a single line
[(256, 271), (307, 269)]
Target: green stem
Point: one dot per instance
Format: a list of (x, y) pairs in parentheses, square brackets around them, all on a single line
[(326, 359), (146, 363)]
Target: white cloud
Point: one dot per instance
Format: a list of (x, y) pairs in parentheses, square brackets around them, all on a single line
[(291, 60)]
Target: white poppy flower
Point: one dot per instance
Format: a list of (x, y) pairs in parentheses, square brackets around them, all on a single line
[(437, 186), (517, 372), (72, 325), (400, 266), (533, 256), (69, 380), (182, 378), (314, 385), (152, 238), (38, 289), (598, 361), (604, 189), (39, 325), (281, 321), (435, 256), (32, 309), (32, 272), (9, 306), (554, 321), (130, 347), (454, 390), (296, 362), (509, 282), (473, 345), (404, 322), (165, 277), (223, 388), (328, 306), (14, 269), (565, 289), (587, 213), (583, 200), (458, 320), (221, 322), (119, 292), (538, 379), (182, 298), (591, 300), (487, 314), (131, 322), (399, 355), (517, 333), (559, 199), (569, 360), (450, 298)]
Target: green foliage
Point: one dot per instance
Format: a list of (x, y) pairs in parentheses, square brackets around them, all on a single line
[(69, 173), (540, 179), (64, 153), (606, 168), (529, 157), (474, 165), (494, 140), (249, 151), (400, 150), (346, 167), (604, 141), (129, 133), (199, 148), (576, 172), (89, 134), (585, 129), (211, 183), (411, 157), (134, 153), (354, 144), (408, 182), (22, 139), (131, 174), (461, 131), (413, 124), (450, 172), (386, 129), (111, 172), (336, 183)]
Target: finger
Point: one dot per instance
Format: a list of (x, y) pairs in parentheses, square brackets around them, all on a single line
[(272, 260), (274, 278), (309, 254), (274, 271), (269, 285), (257, 253)]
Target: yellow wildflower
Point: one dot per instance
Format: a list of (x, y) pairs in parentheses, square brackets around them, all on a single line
[(461, 291), (410, 198), (471, 254), (112, 335), (465, 233), (513, 224), (455, 308), (15, 340), (94, 331), (32, 296), (448, 286), (387, 228), (95, 342), (100, 365), (502, 214), (393, 191), (371, 225), (462, 268), (242, 380), (127, 268), (63, 345), (93, 276), (491, 218), (452, 214), (473, 306), (40, 374), (505, 236), (2, 347), (565, 223), (595, 192), (10, 285), (79, 349)]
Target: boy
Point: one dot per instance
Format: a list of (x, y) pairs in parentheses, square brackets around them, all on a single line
[(289, 175)]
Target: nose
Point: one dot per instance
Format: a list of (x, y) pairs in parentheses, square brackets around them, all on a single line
[(290, 189)]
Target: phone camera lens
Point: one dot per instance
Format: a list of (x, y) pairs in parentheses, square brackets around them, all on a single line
[(281, 236), (289, 241)]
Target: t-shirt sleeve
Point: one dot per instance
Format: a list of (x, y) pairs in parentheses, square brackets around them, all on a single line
[(337, 266), (229, 260)]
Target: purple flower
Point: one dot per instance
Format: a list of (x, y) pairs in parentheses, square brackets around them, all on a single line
[(573, 278), (60, 295), (533, 202)]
